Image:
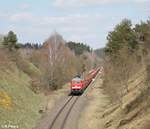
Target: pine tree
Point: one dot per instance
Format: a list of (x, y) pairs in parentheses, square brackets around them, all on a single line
[(10, 41), (123, 35)]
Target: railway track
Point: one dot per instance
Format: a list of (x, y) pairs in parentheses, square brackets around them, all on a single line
[(62, 115), (66, 112)]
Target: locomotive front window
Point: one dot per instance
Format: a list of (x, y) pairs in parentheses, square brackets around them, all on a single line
[(76, 82)]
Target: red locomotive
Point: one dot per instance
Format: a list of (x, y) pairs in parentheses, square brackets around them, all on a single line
[(79, 84)]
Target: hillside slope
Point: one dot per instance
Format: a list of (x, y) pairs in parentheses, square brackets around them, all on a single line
[(19, 105), (132, 112)]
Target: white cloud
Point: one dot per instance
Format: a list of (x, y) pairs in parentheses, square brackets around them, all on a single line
[(82, 2), (77, 27), (24, 6), (74, 20), (23, 16), (3, 15), (62, 3), (141, 1), (70, 21)]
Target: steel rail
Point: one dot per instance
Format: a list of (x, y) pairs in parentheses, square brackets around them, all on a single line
[(59, 112)]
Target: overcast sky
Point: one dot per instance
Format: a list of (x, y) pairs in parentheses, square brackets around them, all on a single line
[(87, 21)]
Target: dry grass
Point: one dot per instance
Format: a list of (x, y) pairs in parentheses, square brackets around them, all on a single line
[(132, 91), (56, 95), (94, 110)]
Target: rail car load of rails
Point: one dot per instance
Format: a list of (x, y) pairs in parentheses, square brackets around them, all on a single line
[(79, 84)]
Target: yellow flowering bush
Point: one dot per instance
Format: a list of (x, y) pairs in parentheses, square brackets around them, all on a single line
[(5, 100)]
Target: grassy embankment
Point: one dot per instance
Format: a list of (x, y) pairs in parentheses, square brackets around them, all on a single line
[(19, 105)]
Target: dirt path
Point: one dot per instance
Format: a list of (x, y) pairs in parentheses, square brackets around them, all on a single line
[(98, 101)]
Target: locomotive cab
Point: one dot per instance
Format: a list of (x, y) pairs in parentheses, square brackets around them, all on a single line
[(77, 85)]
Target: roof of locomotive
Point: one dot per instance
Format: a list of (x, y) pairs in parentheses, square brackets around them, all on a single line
[(77, 79)]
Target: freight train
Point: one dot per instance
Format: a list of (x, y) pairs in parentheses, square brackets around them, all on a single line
[(79, 84)]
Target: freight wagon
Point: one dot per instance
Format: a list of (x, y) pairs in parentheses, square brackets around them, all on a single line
[(79, 84)]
